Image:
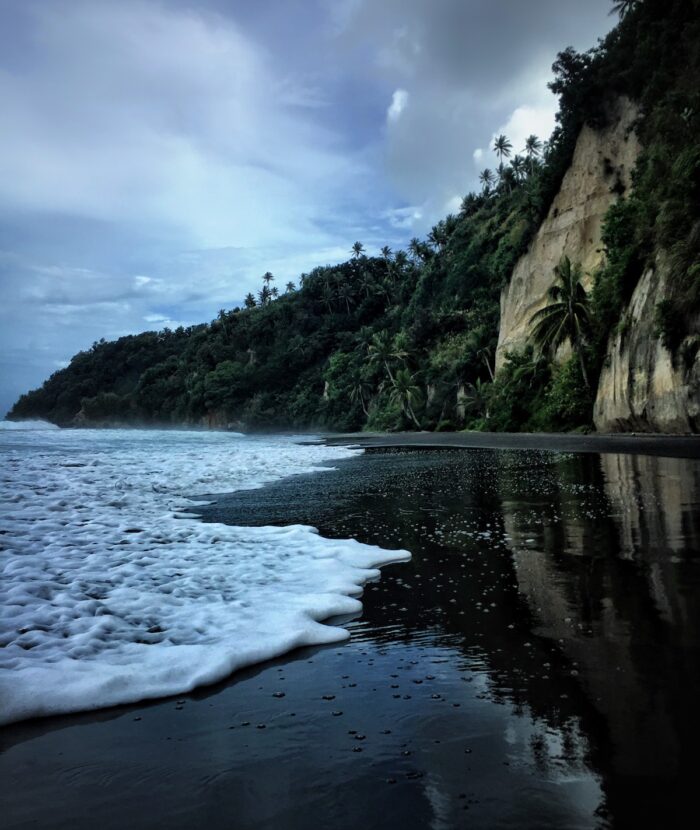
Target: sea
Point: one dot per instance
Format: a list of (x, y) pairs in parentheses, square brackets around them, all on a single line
[(112, 589)]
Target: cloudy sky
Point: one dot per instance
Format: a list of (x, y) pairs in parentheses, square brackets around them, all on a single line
[(157, 156)]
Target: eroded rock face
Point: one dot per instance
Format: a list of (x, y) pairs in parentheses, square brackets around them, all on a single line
[(642, 388), (600, 171)]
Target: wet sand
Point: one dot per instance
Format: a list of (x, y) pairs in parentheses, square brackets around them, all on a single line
[(669, 446), (534, 665)]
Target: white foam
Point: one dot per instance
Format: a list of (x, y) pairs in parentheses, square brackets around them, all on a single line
[(110, 593), (26, 425)]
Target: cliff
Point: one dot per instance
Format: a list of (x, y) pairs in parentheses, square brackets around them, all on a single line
[(642, 386), (600, 172)]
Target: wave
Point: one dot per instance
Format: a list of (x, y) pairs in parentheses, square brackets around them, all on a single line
[(22, 425), (112, 593)]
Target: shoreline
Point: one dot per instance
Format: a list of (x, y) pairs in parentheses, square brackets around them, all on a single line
[(657, 444), (475, 685)]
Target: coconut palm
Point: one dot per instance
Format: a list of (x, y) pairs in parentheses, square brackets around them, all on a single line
[(502, 147), (518, 167), (386, 253), (486, 178), (381, 350), (357, 250), (289, 287), (400, 260), (533, 146), (475, 398), (264, 295), (274, 292), (249, 301), (438, 236), (345, 295), (414, 248), (623, 7), (327, 297), (566, 317), (406, 392), (268, 278), (360, 389)]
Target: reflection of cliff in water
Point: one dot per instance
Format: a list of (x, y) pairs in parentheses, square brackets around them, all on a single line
[(616, 588)]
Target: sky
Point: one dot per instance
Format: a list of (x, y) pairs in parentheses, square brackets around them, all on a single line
[(158, 156)]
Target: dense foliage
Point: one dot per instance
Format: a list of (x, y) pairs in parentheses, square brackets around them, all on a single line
[(407, 339)]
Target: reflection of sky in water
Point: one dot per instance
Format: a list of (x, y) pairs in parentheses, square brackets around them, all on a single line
[(553, 602)]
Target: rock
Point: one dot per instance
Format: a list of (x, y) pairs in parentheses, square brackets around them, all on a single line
[(601, 168), (641, 387)]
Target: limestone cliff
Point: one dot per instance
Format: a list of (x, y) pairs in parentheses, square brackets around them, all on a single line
[(642, 387), (600, 170)]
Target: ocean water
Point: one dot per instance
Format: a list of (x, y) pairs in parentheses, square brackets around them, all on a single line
[(113, 591)]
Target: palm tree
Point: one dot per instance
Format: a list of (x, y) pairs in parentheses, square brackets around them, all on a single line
[(566, 317), (264, 295), (438, 236), (274, 293), (486, 178), (623, 7), (518, 167), (400, 260), (414, 248), (345, 294), (360, 388), (289, 287), (485, 354), (381, 350), (249, 301), (469, 203), (502, 147), (406, 391), (327, 297), (268, 278), (533, 146), (475, 398), (357, 250), (386, 253)]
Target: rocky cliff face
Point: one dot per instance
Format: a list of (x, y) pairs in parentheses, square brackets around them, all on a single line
[(642, 387), (600, 171)]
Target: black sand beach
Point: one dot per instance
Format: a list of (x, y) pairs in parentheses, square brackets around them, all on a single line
[(535, 665)]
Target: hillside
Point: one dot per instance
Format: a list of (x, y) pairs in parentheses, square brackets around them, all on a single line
[(413, 339)]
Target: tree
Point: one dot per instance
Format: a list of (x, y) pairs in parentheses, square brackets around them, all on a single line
[(518, 167), (264, 295), (249, 301), (290, 287), (475, 398), (357, 250), (360, 389), (406, 392), (381, 350), (345, 294), (386, 253), (502, 147), (414, 248), (623, 7), (533, 146), (268, 278), (486, 178), (566, 317), (274, 292)]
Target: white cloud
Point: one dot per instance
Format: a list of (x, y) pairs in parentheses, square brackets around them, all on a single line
[(141, 113), (399, 102)]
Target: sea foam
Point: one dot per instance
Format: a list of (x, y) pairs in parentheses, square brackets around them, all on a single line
[(112, 593)]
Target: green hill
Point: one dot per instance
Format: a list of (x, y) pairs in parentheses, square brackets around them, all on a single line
[(408, 339)]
